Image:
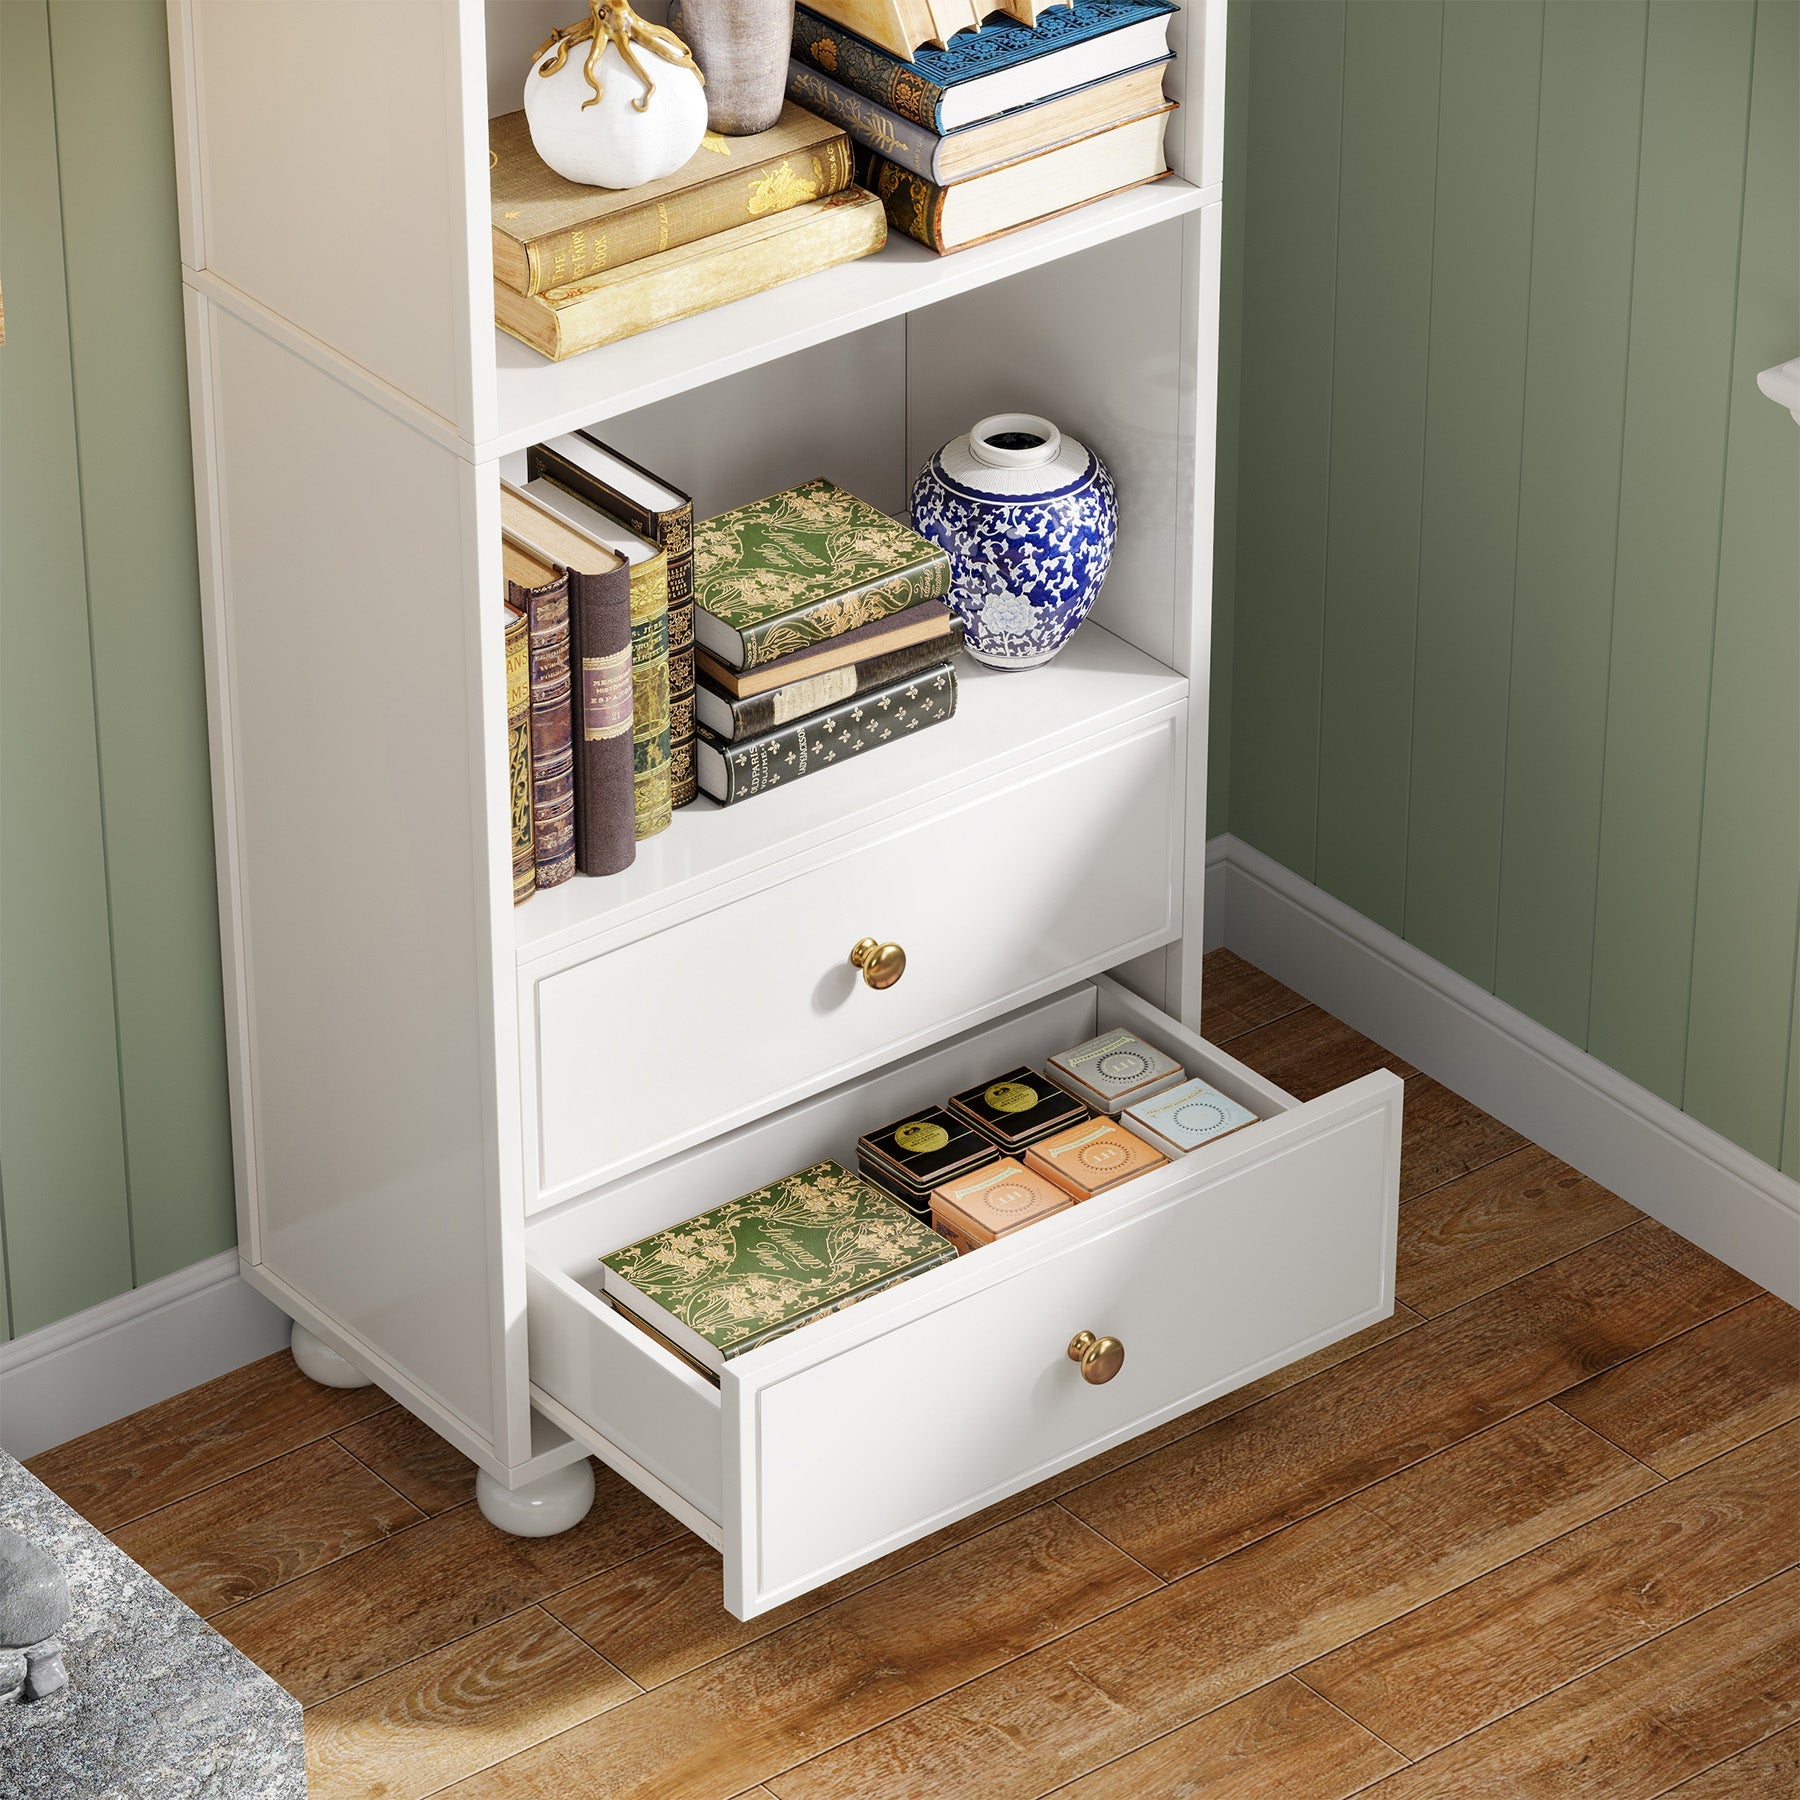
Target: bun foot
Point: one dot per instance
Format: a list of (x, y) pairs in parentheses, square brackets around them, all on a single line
[(541, 1508), (319, 1362)]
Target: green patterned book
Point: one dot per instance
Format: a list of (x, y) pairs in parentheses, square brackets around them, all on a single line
[(801, 566), (771, 1261)]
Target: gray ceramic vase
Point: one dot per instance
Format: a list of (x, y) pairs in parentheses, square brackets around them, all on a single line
[(742, 47)]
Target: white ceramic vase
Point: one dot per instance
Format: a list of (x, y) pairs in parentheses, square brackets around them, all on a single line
[(611, 144)]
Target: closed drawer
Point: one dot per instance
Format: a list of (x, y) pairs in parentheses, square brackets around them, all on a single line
[(1068, 868), (834, 1445)]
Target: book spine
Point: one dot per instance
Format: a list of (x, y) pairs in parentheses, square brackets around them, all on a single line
[(518, 749), (605, 781), (865, 723), (673, 530), (913, 204), (552, 739), (650, 697), (873, 126), (687, 215), (884, 595), (800, 699), (867, 71)]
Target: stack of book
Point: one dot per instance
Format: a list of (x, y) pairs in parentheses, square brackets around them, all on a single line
[(1005, 126), (822, 633), (576, 267)]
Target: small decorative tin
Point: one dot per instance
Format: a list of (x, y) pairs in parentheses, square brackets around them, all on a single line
[(1088, 1159), (994, 1202), (1183, 1118), (1017, 1108), (1113, 1070), (920, 1152)]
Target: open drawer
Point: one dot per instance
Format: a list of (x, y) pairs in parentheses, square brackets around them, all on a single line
[(835, 1444)]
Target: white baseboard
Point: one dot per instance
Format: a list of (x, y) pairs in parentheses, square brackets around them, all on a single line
[(1649, 1152), (132, 1351)]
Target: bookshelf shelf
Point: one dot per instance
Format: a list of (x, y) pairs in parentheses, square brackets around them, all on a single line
[(537, 398), (1003, 721)]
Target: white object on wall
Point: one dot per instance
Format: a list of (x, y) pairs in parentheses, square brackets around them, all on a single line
[(1782, 385)]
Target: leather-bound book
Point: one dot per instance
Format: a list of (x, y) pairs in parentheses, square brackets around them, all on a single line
[(926, 622), (659, 511), (600, 666), (649, 578), (518, 749), (543, 591)]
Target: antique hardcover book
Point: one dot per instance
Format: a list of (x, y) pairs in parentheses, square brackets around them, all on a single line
[(1113, 1070), (549, 232), (649, 567), (803, 565), (660, 512), (600, 677), (995, 1201), (733, 772), (518, 749), (1088, 1159), (928, 622), (1021, 193), (903, 25), (1183, 1118), (1017, 1108), (542, 590), (732, 720), (1006, 64), (661, 1340), (694, 278), (770, 1261), (956, 155)]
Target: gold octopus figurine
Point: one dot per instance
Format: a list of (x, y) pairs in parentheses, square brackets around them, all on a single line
[(613, 22)]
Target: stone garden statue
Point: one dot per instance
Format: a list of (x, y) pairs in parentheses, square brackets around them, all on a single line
[(34, 1607)]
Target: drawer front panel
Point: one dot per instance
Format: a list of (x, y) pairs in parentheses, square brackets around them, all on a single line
[(832, 1462), (695, 1029)]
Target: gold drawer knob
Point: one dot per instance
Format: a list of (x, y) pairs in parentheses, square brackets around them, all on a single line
[(1101, 1358), (881, 964)]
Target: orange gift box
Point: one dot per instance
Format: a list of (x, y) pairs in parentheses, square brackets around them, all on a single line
[(1088, 1159), (1003, 1197)]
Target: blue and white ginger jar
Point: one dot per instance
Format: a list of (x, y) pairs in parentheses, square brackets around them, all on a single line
[(1028, 517)]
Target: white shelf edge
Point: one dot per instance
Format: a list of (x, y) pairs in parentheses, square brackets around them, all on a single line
[(549, 397), (882, 795)]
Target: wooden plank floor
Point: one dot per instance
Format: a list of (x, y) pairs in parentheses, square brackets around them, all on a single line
[(1536, 1535)]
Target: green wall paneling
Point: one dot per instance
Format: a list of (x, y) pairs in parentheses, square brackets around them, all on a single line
[(1677, 396), (1295, 95), (1741, 1018), (1480, 291), (1386, 181), (1225, 498), (1586, 186), (112, 86), (68, 1239)]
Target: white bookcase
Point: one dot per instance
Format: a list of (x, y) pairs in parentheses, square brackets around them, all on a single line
[(445, 1109)]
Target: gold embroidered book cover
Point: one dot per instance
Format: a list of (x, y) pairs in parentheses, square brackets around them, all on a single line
[(770, 1261)]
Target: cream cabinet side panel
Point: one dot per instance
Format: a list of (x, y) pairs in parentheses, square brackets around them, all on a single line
[(350, 679), (334, 158)]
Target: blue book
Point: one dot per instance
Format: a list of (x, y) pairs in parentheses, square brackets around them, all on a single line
[(1027, 131), (1003, 66)]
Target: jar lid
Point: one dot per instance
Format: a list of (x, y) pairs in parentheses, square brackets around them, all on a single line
[(1014, 441)]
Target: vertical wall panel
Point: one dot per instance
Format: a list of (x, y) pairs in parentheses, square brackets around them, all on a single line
[(1740, 1017), (1582, 238), (1480, 291), (112, 88), (1386, 187), (67, 1233), (1231, 338), (1677, 392), (1290, 242)]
